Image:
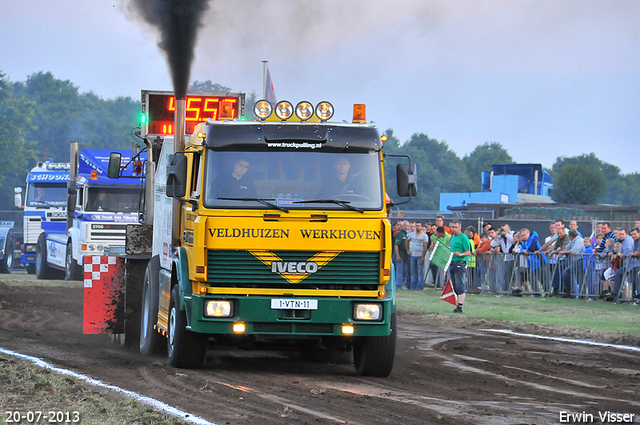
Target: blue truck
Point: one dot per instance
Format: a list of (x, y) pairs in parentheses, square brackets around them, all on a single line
[(45, 201), (100, 210)]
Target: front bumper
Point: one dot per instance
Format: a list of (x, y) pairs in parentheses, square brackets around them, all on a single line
[(260, 319)]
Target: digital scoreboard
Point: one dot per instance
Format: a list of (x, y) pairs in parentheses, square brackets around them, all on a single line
[(158, 109)]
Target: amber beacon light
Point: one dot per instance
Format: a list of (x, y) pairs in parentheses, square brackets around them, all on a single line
[(359, 113)]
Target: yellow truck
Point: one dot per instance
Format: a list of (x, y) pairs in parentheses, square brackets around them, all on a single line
[(267, 233)]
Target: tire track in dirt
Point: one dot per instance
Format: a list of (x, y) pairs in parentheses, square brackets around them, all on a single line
[(10, 319), (202, 387)]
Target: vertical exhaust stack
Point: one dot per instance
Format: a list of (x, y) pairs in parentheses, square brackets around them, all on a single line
[(180, 123), (178, 144), (71, 186)]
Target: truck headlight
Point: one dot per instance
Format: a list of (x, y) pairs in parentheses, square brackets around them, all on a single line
[(218, 308), (367, 312)]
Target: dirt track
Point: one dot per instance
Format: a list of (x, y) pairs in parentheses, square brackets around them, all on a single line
[(448, 370)]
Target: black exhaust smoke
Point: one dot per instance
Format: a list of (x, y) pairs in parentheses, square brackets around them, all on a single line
[(178, 22)]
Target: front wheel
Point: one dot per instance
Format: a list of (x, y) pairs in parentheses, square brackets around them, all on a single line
[(7, 261), (43, 271), (374, 355), (72, 270), (186, 349), (150, 340)]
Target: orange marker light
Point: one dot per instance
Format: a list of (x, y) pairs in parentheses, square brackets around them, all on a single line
[(348, 329), (360, 113), (94, 175), (239, 327)]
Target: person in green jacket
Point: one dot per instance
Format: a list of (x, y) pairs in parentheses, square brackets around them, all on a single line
[(461, 248)]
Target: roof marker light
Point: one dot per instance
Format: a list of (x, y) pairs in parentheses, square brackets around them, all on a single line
[(284, 110)]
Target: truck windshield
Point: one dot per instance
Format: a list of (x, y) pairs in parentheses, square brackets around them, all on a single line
[(47, 195), (293, 180), (113, 199)]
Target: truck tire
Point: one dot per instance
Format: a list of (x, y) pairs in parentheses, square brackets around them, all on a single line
[(151, 342), (373, 355), (72, 270), (134, 276), (43, 271), (31, 268), (6, 265), (186, 349)]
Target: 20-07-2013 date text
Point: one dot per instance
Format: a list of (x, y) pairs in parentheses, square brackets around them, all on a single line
[(41, 416)]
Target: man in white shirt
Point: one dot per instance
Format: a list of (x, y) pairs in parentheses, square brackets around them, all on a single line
[(417, 244)]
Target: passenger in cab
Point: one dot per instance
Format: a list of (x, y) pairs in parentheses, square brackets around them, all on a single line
[(237, 184)]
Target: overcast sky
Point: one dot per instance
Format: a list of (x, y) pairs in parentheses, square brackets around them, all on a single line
[(545, 78)]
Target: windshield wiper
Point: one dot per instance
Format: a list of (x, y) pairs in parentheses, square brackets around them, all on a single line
[(263, 201), (331, 201)]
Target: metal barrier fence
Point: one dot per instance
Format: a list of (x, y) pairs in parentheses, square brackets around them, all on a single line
[(578, 276)]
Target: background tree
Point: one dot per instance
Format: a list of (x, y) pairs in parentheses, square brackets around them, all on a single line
[(16, 120), (579, 184), (439, 170), (62, 114), (56, 110), (205, 86), (250, 100), (624, 190), (481, 159), (619, 188)]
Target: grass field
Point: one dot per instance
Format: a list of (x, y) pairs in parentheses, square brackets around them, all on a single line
[(29, 388), (590, 315)]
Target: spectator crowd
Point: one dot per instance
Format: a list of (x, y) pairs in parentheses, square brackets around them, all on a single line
[(604, 265)]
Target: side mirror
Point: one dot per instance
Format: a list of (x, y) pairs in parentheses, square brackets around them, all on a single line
[(177, 176), (113, 172), (17, 198), (407, 177)]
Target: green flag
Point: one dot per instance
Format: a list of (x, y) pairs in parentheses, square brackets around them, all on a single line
[(441, 255)]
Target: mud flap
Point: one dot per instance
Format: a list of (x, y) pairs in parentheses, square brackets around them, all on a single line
[(104, 301)]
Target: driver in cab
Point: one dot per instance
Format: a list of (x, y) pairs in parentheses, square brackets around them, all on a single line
[(237, 184)]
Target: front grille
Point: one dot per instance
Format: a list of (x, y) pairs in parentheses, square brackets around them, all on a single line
[(110, 232), (242, 269), (33, 230)]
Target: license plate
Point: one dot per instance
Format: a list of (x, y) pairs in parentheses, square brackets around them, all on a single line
[(293, 304)]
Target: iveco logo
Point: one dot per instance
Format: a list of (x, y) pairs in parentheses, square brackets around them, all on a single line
[(294, 267)]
